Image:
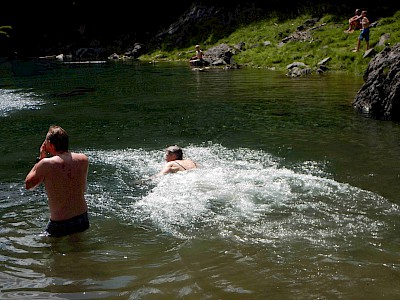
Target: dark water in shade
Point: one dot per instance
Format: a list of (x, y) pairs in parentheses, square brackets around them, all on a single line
[(296, 197)]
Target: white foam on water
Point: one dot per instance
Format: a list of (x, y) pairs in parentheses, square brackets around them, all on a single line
[(245, 195), (15, 100)]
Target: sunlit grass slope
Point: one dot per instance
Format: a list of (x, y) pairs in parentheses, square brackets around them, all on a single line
[(263, 44)]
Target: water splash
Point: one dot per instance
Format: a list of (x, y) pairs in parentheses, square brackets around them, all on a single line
[(15, 100), (244, 195)]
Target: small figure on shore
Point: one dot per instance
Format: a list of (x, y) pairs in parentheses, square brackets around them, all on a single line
[(364, 31), (175, 161), (199, 53), (354, 22), (198, 60), (64, 175)]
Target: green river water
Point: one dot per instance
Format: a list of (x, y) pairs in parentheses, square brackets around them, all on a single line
[(296, 196)]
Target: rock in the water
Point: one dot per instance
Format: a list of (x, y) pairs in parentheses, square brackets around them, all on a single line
[(379, 97)]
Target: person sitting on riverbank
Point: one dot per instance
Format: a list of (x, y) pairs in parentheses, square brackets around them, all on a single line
[(198, 60), (175, 161), (199, 53), (354, 22)]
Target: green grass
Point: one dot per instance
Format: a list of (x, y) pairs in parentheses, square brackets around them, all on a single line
[(326, 41)]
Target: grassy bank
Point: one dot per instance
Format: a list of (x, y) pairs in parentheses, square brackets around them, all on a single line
[(327, 40)]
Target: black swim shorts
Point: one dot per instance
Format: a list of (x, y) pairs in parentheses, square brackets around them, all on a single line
[(73, 225)]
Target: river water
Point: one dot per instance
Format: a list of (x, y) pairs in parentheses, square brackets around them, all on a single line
[(296, 196)]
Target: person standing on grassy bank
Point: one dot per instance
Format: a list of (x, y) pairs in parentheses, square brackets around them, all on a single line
[(364, 31)]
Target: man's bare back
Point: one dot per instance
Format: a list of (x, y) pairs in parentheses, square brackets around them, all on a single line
[(64, 175), (65, 183)]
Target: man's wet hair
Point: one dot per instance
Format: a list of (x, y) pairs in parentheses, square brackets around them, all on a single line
[(58, 137)]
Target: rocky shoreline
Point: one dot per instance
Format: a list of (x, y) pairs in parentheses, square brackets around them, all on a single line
[(379, 97)]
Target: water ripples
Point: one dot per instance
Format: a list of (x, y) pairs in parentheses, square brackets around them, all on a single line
[(298, 219)]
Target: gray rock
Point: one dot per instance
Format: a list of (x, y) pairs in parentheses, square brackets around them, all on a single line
[(324, 61), (296, 64), (379, 96), (220, 55), (383, 39), (369, 52)]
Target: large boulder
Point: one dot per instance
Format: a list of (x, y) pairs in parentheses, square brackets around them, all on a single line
[(221, 54), (379, 97)]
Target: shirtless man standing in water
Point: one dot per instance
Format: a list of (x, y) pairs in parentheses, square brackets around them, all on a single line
[(64, 175), (175, 161)]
